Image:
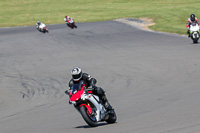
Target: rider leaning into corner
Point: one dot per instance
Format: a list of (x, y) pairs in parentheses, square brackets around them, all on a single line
[(89, 81), (191, 20), (38, 24), (67, 18)]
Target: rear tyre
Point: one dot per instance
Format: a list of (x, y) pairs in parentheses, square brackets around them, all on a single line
[(112, 118), (90, 120)]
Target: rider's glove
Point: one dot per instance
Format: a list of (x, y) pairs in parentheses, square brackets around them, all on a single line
[(94, 87)]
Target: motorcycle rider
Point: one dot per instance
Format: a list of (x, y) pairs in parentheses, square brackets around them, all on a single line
[(41, 26), (66, 19), (191, 20), (88, 80), (38, 24), (70, 22)]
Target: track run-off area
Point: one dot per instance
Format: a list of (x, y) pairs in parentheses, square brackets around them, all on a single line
[(151, 79)]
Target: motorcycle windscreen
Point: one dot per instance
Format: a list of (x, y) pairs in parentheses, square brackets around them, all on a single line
[(193, 24), (77, 92)]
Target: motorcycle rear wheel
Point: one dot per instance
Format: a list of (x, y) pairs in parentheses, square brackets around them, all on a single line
[(112, 118), (90, 120)]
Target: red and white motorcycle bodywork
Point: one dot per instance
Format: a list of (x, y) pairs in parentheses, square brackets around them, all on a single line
[(71, 23), (194, 32), (42, 27), (90, 106)]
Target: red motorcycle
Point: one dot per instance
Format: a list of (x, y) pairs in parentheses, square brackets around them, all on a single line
[(89, 105), (71, 23)]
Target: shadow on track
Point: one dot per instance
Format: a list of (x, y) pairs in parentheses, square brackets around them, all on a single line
[(86, 126)]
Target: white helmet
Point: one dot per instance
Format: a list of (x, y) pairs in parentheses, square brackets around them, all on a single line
[(76, 74)]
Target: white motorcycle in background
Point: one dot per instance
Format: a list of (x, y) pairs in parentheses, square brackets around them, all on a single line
[(194, 32), (42, 27)]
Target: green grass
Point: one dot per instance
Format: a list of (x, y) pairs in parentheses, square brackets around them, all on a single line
[(169, 15)]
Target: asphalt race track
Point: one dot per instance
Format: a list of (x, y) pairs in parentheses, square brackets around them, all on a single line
[(152, 79)]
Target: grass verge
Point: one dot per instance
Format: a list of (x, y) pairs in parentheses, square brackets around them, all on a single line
[(169, 15)]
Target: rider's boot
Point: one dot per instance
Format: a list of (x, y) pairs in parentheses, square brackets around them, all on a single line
[(188, 33), (106, 104)]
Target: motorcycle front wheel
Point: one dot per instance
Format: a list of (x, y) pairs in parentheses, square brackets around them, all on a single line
[(195, 40), (89, 119)]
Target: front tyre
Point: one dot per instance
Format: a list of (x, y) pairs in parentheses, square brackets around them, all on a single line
[(195, 41), (195, 37), (112, 117), (89, 119), (75, 26)]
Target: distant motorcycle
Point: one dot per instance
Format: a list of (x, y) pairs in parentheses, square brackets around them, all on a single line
[(42, 27), (89, 105), (194, 32), (71, 23)]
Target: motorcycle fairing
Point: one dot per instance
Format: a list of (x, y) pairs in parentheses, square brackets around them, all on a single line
[(76, 93), (100, 110)]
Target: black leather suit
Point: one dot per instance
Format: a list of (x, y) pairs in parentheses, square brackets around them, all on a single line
[(90, 81)]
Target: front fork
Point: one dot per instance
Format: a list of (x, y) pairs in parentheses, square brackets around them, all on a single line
[(88, 107), (192, 34)]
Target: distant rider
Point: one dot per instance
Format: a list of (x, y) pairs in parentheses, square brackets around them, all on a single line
[(88, 80), (38, 24), (66, 19), (191, 20), (70, 22)]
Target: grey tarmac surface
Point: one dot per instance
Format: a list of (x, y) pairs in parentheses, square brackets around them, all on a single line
[(152, 79)]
